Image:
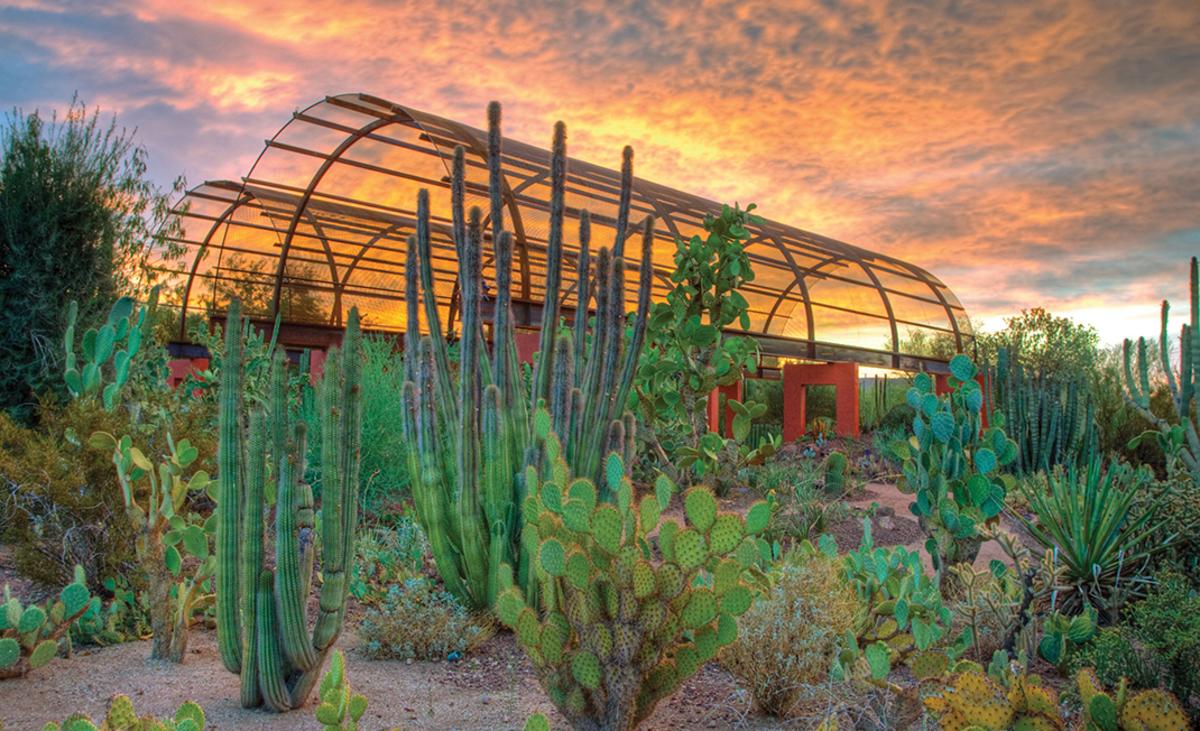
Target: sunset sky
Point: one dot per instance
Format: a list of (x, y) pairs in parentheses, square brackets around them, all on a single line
[(1041, 153)]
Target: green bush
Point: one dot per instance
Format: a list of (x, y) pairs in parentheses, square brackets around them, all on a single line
[(1115, 654), (418, 621), (899, 419), (386, 556), (1168, 623), (788, 639)]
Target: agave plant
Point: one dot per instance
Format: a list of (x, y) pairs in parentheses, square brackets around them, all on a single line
[(1085, 520)]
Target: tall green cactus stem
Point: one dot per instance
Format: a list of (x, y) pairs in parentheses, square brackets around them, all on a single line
[(612, 632), (1052, 420), (1179, 434), (469, 429), (262, 619)]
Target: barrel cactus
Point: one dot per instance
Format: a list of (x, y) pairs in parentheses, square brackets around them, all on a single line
[(262, 612), (469, 429), (612, 633), (30, 635)]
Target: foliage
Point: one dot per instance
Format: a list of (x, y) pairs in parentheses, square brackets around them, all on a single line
[(1085, 518), (898, 418), (1114, 655), (469, 434), (1064, 637), (972, 701), (1044, 343), (30, 635), (789, 637), (903, 615), (124, 617), (1052, 418), (1179, 434), (415, 620), (1167, 622), (615, 634), (78, 217), (121, 716), (798, 508), (951, 465), (386, 556), (1146, 710), (688, 354), (262, 631)]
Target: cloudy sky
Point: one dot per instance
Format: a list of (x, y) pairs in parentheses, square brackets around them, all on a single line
[(1029, 153)]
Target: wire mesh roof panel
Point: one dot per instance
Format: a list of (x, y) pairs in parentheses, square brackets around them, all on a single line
[(319, 225)]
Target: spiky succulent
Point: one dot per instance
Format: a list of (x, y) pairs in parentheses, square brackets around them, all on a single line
[(121, 716), (30, 635)]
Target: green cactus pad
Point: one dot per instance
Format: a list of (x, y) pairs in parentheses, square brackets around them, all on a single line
[(666, 539), (75, 597), (600, 641), (757, 517), (736, 601), (726, 575), (552, 496), (31, 620), (509, 605), (606, 528), (43, 653), (700, 609), (706, 643), (690, 551), (649, 513), (553, 557), (747, 553), (942, 425), (528, 629), (962, 368), (643, 579), (700, 507), (121, 714), (575, 701), (583, 490), (726, 630), (556, 632), (537, 722), (663, 489), (577, 515), (585, 668), (10, 652), (726, 533), (687, 662), (579, 570), (929, 665), (531, 509)]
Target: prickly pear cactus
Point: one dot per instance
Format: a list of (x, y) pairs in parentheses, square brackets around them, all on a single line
[(1063, 636), (118, 340), (974, 702), (616, 632), (951, 464), (1145, 710), (121, 716), (30, 635), (340, 708)]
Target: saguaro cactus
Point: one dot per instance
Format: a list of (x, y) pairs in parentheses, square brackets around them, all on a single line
[(470, 433), (262, 627), (1180, 434)]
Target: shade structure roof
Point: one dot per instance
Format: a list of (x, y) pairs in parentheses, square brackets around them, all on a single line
[(320, 223)]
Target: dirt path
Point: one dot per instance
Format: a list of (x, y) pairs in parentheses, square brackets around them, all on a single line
[(492, 690)]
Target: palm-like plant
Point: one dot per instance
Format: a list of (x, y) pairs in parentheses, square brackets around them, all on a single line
[(1086, 520)]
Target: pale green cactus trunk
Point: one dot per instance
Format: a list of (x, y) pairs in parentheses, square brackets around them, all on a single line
[(1179, 434), (470, 433), (262, 617)]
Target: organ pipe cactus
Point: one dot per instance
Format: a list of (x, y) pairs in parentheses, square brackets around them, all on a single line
[(612, 633), (1179, 434), (262, 618), (1052, 420), (30, 635), (470, 433)]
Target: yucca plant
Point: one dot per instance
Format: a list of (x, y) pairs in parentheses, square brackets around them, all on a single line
[(1085, 519)]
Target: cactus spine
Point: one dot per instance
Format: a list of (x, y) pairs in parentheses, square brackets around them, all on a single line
[(1179, 434), (262, 627), (470, 438), (1052, 420)]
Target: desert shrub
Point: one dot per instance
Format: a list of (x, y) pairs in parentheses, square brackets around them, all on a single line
[(787, 640), (898, 419), (61, 501), (386, 556), (1178, 515), (1115, 654), (798, 510), (1167, 622), (416, 620), (985, 605)]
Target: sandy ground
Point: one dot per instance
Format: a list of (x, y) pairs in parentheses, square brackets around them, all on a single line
[(492, 689)]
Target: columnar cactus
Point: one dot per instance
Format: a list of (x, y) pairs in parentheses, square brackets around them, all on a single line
[(613, 633), (469, 433), (30, 635), (836, 468), (951, 465), (1179, 434), (1052, 420), (261, 612), (1145, 710)]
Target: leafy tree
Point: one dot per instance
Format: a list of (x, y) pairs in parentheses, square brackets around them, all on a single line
[(78, 219), (687, 352), (1045, 343)]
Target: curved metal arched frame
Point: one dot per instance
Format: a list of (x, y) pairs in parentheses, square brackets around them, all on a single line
[(772, 244)]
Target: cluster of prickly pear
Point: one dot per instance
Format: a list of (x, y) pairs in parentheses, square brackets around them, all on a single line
[(974, 702), (121, 716), (1144, 710), (1062, 636), (127, 328), (30, 635), (156, 503), (262, 605), (904, 616), (836, 470), (617, 633), (340, 708), (951, 465)]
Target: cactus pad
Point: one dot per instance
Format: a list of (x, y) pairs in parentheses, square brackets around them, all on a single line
[(690, 551), (537, 722), (736, 601), (643, 579), (553, 557), (700, 609), (121, 714), (578, 570), (10, 652), (528, 629), (757, 517), (700, 507), (1153, 710), (585, 668), (649, 513), (606, 528), (725, 534)]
